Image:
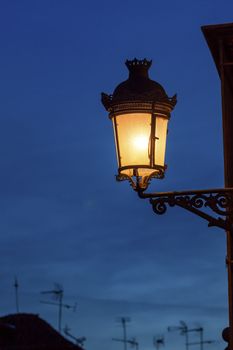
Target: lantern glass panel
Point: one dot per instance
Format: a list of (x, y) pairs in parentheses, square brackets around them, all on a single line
[(133, 132), (133, 136), (160, 140)]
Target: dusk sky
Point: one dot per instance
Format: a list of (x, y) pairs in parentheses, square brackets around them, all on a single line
[(64, 218)]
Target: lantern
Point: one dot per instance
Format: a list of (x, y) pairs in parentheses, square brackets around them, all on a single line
[(140, 110)]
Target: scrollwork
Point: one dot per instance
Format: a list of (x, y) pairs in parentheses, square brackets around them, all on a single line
[(159, 206), (221, 203), (197, 201), (140, 183)]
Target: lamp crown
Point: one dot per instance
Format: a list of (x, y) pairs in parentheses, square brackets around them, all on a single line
[(138, 67)]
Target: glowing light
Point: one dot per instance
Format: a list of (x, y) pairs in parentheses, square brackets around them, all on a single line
[(140, 142)]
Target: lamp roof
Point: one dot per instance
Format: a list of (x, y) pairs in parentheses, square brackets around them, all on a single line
[(138, 86)]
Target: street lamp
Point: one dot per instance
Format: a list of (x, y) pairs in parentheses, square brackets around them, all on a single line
[(140, 110)]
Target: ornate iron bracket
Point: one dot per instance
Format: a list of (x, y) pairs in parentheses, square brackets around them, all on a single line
[(200, 202)]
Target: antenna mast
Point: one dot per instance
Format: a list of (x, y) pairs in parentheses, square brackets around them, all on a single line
[(16, 285), (200, 330), (158, 341), (185, 331), (183, 328), (58, 293), (124, 321)]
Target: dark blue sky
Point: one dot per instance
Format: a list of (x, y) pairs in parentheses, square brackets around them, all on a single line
[(63, 217)]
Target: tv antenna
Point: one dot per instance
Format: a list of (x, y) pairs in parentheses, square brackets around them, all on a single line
[(58, 294), (124, 321), (16, 286), (201, 342), (183, 328), (158, 341), (185, 331), (80, 341)]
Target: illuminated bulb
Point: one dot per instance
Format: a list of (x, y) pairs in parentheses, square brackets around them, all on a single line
[(140, 142)]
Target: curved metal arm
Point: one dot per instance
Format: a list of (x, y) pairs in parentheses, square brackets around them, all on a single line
[(219, 201)]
